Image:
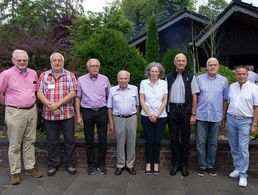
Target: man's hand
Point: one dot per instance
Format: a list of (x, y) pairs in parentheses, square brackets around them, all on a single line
[(53, 106), (192, 120), (79, 120), (57, 112), (153, 118), (253, 129), (111, 127)]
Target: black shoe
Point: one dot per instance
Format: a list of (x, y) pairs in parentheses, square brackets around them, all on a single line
[(51, 171), (156, 172), (147, 172), (71, 169), (173, 170), (201, 172), (184, 171), (132, 171), (118, 171), (102, 170), (90, 170), (212, 172)]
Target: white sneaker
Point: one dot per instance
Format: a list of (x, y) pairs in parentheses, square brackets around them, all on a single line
[(242, 182), (234, 174)]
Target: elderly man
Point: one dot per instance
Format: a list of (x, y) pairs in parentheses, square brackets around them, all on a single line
[(92, 94), (242, 116), (210, 114), (18, 94), (123, 104), (251, 74), (56, 90), (182, 92)]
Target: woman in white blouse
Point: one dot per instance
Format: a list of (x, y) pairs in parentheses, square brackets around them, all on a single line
[(153, 98)]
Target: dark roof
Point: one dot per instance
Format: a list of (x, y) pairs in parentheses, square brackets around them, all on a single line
[(170, 21), (233, 7)]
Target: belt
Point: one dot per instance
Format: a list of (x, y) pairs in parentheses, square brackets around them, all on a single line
[(94, 109), (180, 105), (21, 108), (239, 117), (123, 116)]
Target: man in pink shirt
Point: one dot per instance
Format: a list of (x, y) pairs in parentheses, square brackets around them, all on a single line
[(17, 93)]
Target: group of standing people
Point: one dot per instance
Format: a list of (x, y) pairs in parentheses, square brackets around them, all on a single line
[(181, 100)]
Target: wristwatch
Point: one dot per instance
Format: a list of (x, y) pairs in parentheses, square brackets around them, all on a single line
[(193, 113)]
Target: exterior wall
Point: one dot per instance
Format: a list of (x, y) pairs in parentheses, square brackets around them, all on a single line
[(224, 161)]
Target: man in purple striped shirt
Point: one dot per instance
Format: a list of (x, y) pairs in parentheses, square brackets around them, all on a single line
[(210, 114), (92, 93)]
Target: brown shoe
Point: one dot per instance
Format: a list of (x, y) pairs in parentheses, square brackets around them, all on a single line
[(16, 179), (33, 173)]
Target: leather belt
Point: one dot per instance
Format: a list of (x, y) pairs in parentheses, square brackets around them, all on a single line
[(123, 116), (21, 108), (94, 109), (180, 105)]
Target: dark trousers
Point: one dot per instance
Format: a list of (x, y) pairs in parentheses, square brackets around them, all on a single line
[(90, 119), (153, 135), (53, 129), (179, 126)]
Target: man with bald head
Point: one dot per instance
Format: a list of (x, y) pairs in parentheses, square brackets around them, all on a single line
[(123, 106), (91, 100), (210, 115), (182, 98), (18, 94), (56, 89)]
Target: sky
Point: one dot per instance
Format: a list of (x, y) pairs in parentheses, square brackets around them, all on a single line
[(97, 5)]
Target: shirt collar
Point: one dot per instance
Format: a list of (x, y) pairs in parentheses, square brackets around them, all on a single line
[(25, 73), (149, 82), (211, 78), (128, 87)]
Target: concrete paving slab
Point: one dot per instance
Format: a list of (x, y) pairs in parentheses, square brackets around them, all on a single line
[(163, 184)]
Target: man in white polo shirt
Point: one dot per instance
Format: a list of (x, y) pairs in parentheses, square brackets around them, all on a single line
[(241, 119)]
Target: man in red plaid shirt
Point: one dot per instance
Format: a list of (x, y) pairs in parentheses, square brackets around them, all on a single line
[(56, 89)]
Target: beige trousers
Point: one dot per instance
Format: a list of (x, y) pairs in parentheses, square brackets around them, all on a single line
[(21, 130)]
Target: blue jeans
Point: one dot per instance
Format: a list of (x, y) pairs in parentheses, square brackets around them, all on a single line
[(238, 137), (207, 133)]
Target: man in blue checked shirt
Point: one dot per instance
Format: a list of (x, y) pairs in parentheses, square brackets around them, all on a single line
[(210, 115)]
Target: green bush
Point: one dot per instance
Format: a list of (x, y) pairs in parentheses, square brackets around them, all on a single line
[(224, 71), (114, 53), (168, 60)]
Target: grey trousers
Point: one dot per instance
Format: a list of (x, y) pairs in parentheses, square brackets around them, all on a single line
[(125, 137)]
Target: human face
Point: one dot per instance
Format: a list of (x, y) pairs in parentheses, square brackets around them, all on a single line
[(154, 73), (180, 62), (20, 60), (212, 68), (241, 75), (123, 80), (93, 67), (57, 62)]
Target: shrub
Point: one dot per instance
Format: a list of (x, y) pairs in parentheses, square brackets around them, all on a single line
[(224, 71), (114, 53)]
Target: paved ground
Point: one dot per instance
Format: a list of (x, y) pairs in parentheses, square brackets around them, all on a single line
[(164, 184)]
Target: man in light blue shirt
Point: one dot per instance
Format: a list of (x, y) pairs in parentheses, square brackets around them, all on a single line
[(123, 107), (210, 113)]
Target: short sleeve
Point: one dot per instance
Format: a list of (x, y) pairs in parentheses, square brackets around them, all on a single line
[(40, 83), (79, 89), (109, 101), (73, 86), (194, 86), (225, 91), (3, 81), (142, 87)]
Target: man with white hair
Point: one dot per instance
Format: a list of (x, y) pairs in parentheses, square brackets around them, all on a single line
[(123, 106), (210, 114), (56, 89), (18, 94)]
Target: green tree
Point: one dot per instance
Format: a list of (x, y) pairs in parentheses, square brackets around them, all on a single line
[(112, 18), (139, 11), (152, 42), (114, 53), (213, 8)]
